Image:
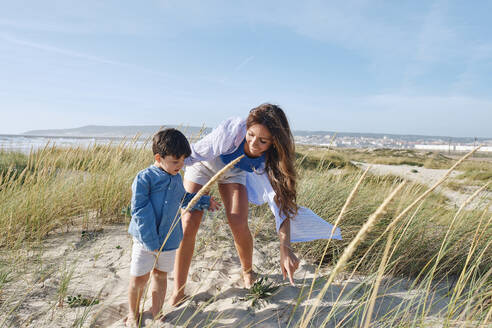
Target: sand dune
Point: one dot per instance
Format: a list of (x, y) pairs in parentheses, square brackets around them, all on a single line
[(100, 264)]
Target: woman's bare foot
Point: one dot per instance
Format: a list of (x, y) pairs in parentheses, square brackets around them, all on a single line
[(130, 321), (249, 278), (157, 317), (178, 298)]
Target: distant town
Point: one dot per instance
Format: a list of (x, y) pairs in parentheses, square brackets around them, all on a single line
[(345, 140)]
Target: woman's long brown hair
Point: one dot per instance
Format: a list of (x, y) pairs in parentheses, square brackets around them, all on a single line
[(280, 157)]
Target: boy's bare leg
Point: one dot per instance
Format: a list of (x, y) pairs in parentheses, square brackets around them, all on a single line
[(136, 288), (158, 287), (235, 198), (191, 223)]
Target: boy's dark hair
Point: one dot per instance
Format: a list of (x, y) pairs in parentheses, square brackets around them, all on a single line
[(170, 142)]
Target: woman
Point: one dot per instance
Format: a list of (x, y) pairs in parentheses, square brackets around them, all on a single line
[(266, 140)]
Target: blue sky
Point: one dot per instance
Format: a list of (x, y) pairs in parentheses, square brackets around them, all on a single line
[(404, 67)]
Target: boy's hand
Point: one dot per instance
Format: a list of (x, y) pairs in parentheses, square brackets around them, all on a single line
[(214, 205)]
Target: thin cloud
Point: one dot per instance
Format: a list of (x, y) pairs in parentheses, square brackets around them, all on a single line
[(80, 55), (237, 68), (243, 63), (61, 51)]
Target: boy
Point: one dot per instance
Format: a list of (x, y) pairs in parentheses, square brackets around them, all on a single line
[(157, 194)]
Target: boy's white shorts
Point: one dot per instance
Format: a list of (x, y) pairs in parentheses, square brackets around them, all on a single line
[(143, 260), (202, 172)]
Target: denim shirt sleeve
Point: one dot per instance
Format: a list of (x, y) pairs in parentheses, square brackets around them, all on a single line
[(143, 213), (202, 204)]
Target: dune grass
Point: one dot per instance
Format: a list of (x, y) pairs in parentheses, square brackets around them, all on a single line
[(326, 193), (55, 188), (418, 158), (381, 156), (58, 185)]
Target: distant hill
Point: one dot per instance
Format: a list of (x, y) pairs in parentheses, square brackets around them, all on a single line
[(113, 131), (101, 131)]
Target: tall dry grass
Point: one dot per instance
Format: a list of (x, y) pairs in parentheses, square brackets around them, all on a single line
[(455, 230), (430, 243), (57, 187)]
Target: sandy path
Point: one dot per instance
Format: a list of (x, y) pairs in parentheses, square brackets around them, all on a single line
[(429, 177)]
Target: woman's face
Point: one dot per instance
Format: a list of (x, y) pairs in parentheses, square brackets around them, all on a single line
[(258, 140)]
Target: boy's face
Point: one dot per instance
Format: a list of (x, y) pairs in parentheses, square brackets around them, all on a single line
[(169, 163)]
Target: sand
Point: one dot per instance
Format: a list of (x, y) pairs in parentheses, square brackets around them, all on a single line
[(100, 261)]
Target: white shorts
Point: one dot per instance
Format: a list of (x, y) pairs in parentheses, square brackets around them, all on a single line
[(143, 260), (202, 172)]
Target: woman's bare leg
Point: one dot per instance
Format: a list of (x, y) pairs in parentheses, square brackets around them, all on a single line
[(191, 223), (235, 198)]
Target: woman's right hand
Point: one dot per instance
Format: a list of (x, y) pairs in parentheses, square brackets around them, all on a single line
[(288, 262)]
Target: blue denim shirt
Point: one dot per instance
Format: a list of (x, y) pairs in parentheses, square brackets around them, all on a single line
[(156, 199)]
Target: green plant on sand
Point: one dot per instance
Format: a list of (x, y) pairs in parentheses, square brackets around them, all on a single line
[(259, 293)]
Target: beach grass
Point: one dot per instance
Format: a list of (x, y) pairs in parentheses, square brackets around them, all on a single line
[(412, 157), (55, 189), (58, 187)]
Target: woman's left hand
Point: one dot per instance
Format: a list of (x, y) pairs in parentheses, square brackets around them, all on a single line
[(288, 262)]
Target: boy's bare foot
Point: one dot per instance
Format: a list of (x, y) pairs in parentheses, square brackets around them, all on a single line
[(178, 298), (249, 278)]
